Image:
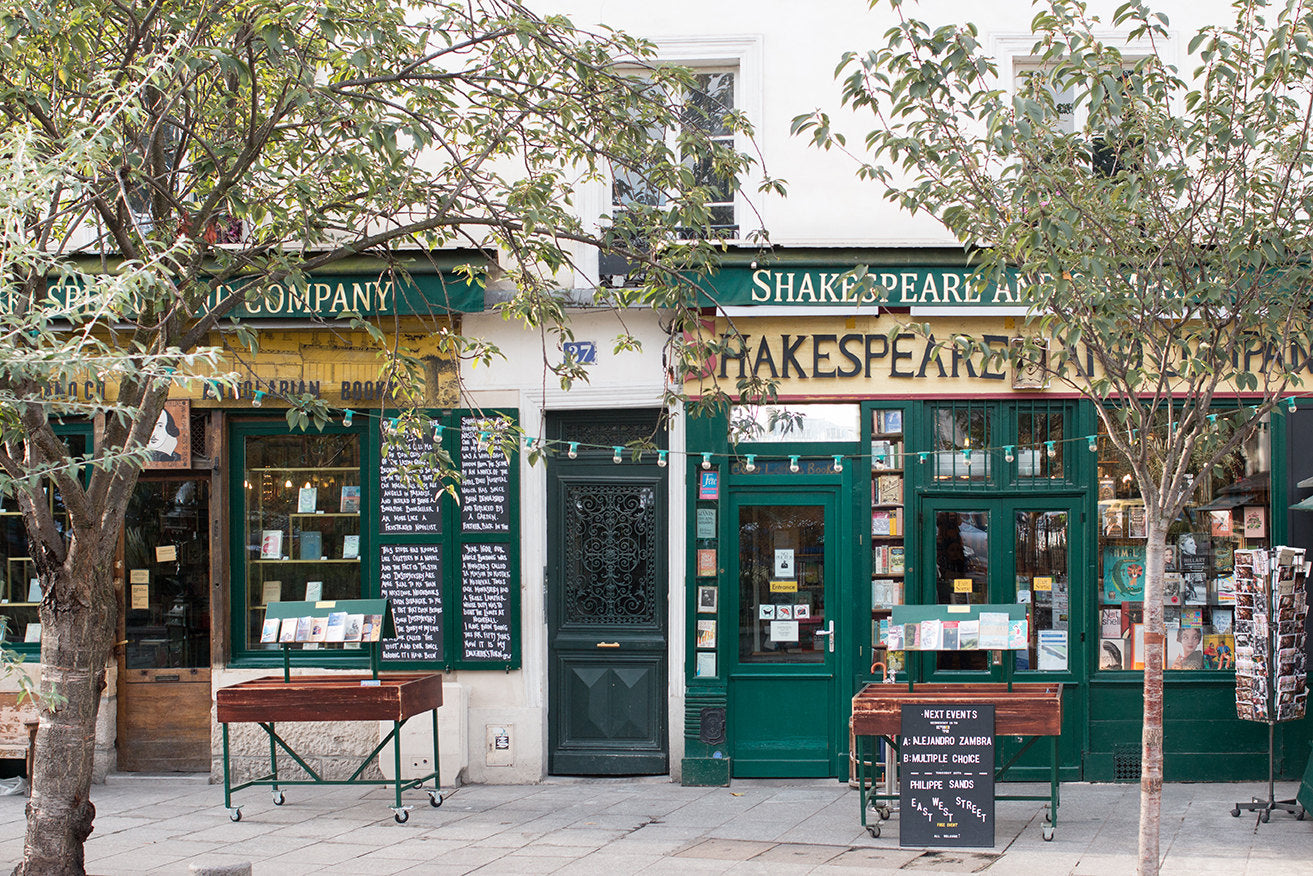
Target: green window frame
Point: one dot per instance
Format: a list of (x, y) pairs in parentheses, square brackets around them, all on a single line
[(15, 534), (451, 540)]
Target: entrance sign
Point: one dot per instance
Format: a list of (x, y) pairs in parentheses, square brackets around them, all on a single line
[(947, 775)]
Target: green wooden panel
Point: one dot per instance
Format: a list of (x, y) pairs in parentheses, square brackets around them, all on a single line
[(782, 726)]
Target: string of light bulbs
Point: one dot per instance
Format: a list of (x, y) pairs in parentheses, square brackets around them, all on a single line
[(749, 460)]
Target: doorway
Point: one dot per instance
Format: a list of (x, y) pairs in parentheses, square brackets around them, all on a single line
[(1015, 551), (164, 661), (607, 605), (784, 709)]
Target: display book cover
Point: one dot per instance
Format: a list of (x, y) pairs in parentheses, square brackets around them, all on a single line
[(338, 626)]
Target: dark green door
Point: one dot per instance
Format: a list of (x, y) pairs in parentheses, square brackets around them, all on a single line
[(1015, 550), (606, 611), (784, 709)]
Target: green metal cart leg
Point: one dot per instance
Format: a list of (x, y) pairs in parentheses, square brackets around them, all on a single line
[(279, 799), (435, 796), (399, 812), (234, 814)]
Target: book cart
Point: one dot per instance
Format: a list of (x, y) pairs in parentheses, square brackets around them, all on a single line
[(1271, 676), (272, 700), (1027, 709)]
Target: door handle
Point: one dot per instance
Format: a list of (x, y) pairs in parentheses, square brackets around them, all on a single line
[(828, 632), (608, 644)]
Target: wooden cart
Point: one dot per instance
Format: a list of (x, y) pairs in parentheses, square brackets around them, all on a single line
[(1024, 709), (272, 700)]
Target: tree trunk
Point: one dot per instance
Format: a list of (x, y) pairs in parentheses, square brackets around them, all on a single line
[(1155, 647), (78, 617)]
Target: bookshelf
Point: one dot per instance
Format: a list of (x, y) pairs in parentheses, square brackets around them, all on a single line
[(888, 521)]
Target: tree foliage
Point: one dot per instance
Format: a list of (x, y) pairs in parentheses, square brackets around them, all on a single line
[(1157, 219), (163, 163)]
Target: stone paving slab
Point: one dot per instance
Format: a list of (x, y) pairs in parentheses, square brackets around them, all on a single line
[(615, 827)]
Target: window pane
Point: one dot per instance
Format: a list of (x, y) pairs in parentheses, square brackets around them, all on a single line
[(708, 102), (1041, 559), (961, 572), (959, 429), (782, 423), (1039, 430), (781, 583), (302, 521), (1230, 511)]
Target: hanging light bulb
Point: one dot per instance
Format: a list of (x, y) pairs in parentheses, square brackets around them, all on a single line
[(706, 460), (920, 457), (1094, 444), (838, 462), (751, 464), (1290, 404), (437, 430), (573, 452), (661, 458), (793, 464), (347, 416), (617, 449), (1008, 455), (259, 398), (394, 423), (288, 484), (1212, 420), (1049, 451)]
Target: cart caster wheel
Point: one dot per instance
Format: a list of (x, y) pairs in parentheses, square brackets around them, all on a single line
[(1235, 813), (402, 816), (435, 799), (279, 799), (1264, 816), (885, 812), (1048, 833), (1300, 816), (235, 815), (1048, 817), (873, 830)]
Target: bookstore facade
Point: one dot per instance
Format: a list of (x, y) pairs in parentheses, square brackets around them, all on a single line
[(894, 472)]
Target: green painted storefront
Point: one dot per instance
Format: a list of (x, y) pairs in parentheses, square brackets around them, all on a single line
[(750, 712)]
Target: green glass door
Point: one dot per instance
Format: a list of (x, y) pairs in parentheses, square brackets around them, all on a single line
[(784, 717), (1015, 551)]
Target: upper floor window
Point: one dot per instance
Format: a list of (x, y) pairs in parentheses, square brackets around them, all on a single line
[(1112, 147)]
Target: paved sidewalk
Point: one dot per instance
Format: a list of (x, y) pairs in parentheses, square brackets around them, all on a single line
[(621, 826)]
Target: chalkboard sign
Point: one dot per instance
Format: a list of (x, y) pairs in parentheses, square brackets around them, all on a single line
[(485, 596), (946, 774), (485, 485), (409, 503), (411, 579)]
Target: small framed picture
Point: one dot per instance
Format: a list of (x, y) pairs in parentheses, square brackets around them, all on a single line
[(707, 600)]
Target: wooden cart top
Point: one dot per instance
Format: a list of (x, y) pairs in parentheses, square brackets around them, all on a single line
[(1028, 709), (393, 697)]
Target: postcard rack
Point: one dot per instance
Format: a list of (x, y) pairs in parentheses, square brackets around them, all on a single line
[(272, 700), (1271, 679)]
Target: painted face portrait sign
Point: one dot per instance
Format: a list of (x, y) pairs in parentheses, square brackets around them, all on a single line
[(170, 441)]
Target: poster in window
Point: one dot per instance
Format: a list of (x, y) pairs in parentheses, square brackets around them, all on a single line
[(170, 441), (1220, 523), (706, 633), (1255, 521), (707, 598), (709, 486), (1123, 573)]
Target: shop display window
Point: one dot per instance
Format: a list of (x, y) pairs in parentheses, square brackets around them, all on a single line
[(963, 434), (786, 423), (20, 591), (302, 537), (1230, 511)]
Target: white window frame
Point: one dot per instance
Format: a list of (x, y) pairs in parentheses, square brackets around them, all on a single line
[(741, 55)]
